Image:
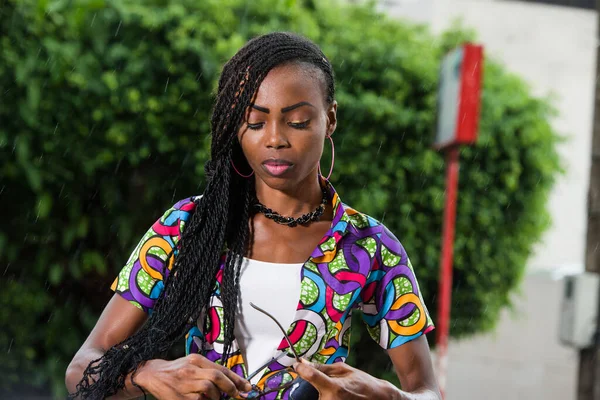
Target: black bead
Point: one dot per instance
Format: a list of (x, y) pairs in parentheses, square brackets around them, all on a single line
[(290, 221)]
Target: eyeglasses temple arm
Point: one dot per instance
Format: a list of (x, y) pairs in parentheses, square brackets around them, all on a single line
[(280, 327)]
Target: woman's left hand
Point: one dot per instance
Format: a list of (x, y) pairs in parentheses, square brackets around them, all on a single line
[(341, 381)]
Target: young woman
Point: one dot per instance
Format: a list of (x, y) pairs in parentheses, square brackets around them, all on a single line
[(268, 230)]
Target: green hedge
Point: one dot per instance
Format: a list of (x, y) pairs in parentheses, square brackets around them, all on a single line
[(104, 121)]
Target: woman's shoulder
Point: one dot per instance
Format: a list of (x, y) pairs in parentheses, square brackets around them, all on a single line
[(364, 222), (187, 204), (175, 217), (366, 228)]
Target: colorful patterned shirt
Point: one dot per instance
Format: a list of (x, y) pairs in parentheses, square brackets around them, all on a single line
[(359, 263)]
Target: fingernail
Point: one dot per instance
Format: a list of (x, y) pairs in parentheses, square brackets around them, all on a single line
[(295, 365)]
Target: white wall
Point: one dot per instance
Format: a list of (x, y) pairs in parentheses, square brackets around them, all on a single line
[(413, 10), (522, 359)]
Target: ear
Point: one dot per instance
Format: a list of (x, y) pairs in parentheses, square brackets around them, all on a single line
[(331, 118)]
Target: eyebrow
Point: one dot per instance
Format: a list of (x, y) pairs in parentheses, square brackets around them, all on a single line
[(284, 109)]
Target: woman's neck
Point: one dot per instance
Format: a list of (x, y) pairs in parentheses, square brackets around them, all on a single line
[(304, 197)]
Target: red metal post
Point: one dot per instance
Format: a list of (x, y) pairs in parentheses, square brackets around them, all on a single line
[(445, 285)]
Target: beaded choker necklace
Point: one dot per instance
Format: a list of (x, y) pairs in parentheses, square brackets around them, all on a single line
[(304, 219)]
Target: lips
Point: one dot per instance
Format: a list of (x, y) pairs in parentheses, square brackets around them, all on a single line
[(276, 167)]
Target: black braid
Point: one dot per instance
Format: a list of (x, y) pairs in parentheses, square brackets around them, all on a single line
[(221, 219)]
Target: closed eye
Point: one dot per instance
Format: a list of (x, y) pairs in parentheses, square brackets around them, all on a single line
[(295, 125), (299, 125), (255, 127)]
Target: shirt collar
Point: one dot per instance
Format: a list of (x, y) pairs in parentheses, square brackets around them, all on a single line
[(341, 224), (340, 219)]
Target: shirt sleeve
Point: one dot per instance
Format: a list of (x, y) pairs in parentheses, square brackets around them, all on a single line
[(392, 304), (141, 279)]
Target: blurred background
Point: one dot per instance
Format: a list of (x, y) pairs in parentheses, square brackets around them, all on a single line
[(104, 124)]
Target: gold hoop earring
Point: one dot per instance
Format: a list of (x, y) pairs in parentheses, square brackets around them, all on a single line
[(332, 159)]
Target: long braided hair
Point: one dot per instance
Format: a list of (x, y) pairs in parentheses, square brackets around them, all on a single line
[(220, 219)]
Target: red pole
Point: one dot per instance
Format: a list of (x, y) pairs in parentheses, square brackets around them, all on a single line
[(445, 285)]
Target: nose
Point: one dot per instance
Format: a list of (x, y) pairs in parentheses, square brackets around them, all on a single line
[(276, 137)]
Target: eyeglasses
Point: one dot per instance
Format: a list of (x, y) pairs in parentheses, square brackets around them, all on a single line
[(283, 379)]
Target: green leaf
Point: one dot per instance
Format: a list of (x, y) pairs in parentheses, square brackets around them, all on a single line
[(44, 205)]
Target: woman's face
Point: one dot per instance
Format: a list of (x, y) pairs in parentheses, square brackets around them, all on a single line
[(286, 126)]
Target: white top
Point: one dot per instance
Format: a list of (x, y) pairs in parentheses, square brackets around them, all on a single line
[(276, 289)]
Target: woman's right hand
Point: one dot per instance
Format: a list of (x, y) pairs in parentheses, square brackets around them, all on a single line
[(191, 377)]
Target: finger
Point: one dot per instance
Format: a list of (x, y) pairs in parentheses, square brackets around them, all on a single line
[(191, 379), (332, 370), (209, 390), (196, 382), (205, 363), (328, 369), (219, 380), (190, 396), (310, 373)]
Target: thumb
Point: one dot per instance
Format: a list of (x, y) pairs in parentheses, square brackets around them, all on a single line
[(311, 373)]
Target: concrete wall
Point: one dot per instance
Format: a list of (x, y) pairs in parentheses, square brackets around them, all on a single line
[(553, 49), (522, 360)]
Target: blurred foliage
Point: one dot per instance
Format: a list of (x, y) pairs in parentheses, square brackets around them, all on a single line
[(104, 123)]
